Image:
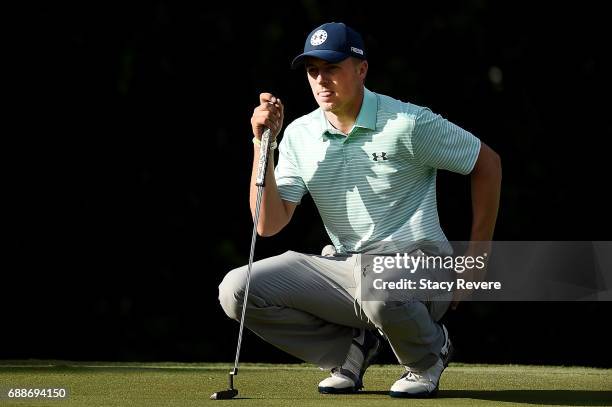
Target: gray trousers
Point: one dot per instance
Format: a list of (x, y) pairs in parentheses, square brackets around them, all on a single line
[(307, 305)]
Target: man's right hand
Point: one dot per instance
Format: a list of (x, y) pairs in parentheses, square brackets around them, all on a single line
[(269, 114)]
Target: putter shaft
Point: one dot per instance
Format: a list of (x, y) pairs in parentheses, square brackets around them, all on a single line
[(260, 183)]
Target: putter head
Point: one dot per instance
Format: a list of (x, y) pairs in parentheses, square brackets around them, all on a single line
[(224, 394)]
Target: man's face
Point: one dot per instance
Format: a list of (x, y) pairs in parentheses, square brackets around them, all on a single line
[(336, 86)]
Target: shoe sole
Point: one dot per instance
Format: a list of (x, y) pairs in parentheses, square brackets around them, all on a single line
[(404, 395), (333, 390)]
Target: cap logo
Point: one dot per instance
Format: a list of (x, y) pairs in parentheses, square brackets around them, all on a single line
[(357, 50), (318, 37)]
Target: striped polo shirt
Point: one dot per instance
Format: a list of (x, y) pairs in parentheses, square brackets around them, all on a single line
[(375, 188)]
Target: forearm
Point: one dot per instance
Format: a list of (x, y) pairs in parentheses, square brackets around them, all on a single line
[(486, 188), (272, 213)]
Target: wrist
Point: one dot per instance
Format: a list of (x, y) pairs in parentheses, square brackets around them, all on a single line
[(257, 142)]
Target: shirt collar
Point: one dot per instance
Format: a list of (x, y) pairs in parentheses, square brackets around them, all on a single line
[(365, 119)]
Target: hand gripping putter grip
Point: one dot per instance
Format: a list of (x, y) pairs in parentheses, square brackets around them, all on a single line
[(262, 165)]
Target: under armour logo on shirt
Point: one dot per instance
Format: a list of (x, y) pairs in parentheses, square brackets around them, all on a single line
[(382, 155)]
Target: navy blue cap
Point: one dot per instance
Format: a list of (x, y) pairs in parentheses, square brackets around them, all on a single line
[(332, 42)]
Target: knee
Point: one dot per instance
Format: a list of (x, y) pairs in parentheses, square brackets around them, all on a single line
[(231, 293)]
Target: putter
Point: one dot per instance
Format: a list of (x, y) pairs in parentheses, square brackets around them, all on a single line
[(262, 165)]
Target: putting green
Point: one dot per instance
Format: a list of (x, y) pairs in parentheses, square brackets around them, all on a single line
[(180, 384)]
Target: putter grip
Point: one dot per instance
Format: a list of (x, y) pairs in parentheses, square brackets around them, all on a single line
[(264, 149)]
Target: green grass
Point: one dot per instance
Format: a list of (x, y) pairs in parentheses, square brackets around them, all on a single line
[(181, 384)]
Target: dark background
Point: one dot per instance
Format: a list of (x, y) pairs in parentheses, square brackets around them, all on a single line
[(128, 162)]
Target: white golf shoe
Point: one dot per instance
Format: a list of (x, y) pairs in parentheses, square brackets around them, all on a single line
[(348, 378), (424, 383)]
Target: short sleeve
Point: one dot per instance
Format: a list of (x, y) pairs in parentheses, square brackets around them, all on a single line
[(289, 181), (441, 144)]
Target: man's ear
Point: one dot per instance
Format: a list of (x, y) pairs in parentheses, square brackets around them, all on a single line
[(363, 69)]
